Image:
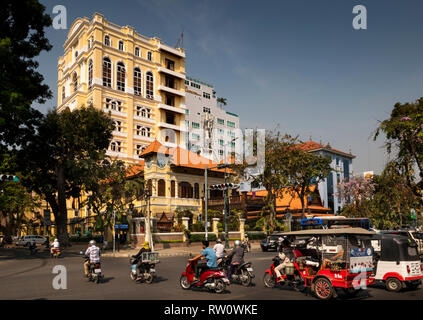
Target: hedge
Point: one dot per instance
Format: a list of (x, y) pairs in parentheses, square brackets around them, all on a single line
[(169, 241), (256, 236), (202, 237), (85, 239)]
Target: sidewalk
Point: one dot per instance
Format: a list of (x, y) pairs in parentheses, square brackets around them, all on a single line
[(194, 249)]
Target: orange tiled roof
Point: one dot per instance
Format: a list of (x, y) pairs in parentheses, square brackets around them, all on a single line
[(312, 146), (135, 169), (181, 157), (291, 202)]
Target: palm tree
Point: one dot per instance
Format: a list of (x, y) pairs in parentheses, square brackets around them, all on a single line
[(222, 102)]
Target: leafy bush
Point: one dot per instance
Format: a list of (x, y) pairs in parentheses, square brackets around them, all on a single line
[(256, 236), (202, 237), (85, 239), (197, 227)]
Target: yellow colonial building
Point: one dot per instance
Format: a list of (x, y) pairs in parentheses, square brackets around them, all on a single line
[(139, 80)]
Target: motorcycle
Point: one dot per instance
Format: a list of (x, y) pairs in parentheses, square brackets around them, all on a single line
[(246, 246), (94, 271), (147, 276), (291, 277), (56, 253), (214, 279), (32, 248), (242, 273)]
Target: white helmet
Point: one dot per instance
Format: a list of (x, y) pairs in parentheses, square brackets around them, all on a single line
[(219, 241), (92, 242), (55, 240), (237, 243)]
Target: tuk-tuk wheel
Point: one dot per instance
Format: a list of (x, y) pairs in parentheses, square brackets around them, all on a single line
[(393, 284), (323, 289)]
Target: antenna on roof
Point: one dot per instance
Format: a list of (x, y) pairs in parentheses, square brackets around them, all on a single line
[(180, 43)]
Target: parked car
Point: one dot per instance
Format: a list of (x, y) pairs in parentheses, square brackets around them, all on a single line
[(26, 240), (270, 243)]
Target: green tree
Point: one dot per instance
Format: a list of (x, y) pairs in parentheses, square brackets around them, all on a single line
[(305, 169), (111, 190), (222, 102), (404, 137), (274, 177), (59, 159), (22, 39)]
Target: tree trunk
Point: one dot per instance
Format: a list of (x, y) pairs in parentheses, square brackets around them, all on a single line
[(61, 213)]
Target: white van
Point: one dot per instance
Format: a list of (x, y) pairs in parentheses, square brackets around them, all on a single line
[(26, 240)]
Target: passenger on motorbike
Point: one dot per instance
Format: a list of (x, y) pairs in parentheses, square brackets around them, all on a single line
[(219, 249), (237, 256), (93, 252), (55, 246), (207, 258), (138, 256), (286, 255)]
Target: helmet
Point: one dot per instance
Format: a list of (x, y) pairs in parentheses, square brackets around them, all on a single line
[(219, 241), (237, 243), (92, 242), (55, 240)]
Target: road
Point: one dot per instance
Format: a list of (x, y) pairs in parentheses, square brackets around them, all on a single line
[(28, 277)]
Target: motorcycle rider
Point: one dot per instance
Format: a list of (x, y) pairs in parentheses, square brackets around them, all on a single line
[(55, 246), (286, 255), (93, 252), (237, 256), (219, 249), (140, 264), (32, 247), (208, 260)]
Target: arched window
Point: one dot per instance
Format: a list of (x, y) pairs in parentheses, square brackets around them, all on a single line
[(137, 51), (161, 188), (185, 190), (172, 189), (107, 40), (137, 82), (107, 72), (90, 73), (196, 191), (63, 93), (113, 146), (149, 86), (121, 45), (120, 77), (149, 56), (75, 82)]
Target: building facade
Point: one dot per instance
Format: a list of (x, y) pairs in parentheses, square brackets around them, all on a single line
[(212, 131), (342, 165), (137, 79)]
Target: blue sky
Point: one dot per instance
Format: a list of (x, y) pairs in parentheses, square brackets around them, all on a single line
[(297, 64)]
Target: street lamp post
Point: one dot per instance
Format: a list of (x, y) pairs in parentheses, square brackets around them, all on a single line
[(114, 232), (206, 189)]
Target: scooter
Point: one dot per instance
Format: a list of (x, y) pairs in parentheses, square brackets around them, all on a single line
[(242, 273), (56, 253), (214, 279), (147, 276), (94, 271), (291, 277), (33, 248)]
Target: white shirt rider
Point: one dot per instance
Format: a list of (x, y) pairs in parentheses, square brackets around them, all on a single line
[(94, 253), (219, 250), (56, 244)]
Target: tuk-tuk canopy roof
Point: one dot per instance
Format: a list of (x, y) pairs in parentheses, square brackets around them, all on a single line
[(340, 231)]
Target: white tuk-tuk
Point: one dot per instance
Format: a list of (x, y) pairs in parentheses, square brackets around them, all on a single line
[(397, 262)]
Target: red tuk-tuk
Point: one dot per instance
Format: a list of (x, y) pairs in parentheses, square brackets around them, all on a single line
[(325, 259)]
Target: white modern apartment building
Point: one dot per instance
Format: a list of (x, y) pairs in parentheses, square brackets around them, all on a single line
[(211, 130)]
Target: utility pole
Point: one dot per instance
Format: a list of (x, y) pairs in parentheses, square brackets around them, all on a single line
[(226, 213), (206, 189), (114, 228)]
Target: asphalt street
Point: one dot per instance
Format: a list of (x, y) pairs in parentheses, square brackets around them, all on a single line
[(30, 277)]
